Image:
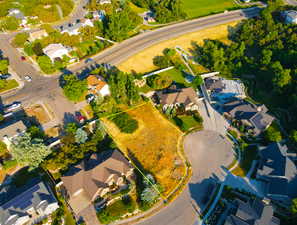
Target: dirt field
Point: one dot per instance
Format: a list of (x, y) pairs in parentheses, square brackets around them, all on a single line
[(38, 111), (153, 145), (142, 62)]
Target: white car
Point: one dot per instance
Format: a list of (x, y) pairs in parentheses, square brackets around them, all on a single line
[(28, 78)]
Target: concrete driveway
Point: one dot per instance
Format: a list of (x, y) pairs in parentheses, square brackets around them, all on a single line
[(207, 151)]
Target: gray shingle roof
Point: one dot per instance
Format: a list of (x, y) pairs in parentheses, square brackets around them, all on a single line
[(11, 128), (15, 203)]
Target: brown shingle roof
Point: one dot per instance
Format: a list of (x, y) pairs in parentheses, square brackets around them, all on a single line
[(175, 95), (90, 175)]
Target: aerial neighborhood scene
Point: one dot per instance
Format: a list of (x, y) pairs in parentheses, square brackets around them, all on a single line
[(148, 112)]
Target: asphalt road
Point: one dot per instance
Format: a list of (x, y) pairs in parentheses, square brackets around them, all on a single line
[(207, 151), (291, 2), (41, 86)]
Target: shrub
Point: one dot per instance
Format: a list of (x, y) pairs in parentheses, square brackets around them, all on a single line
[(125, 122), (20, 39), (273, 134), (159, 82), (9, 164)]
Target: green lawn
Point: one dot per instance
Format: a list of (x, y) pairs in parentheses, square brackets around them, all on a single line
[(10, 84), (197, 8), (176, 76), (186, 122)]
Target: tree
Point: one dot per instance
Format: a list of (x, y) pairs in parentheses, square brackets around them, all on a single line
[(20, 39), (294, 206), (161, 61), (272, 134), (3, 148), (4, 66), (35, 132), (46, 64), (266, 56), (81, 136), (74, 88), (29, 152), (197, 81), (159, 82), (10, 23), (71, 128), (37, 49), (149, 195), (293, 137)]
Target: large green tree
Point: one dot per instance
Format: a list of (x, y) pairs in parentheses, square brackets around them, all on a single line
[(46, 64), (20, 39), (29, 152), (74, 89), (4, 66)]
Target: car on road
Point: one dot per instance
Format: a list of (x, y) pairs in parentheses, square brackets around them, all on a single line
[(23, 58), (4, 76), (28, 78), (12, 107)]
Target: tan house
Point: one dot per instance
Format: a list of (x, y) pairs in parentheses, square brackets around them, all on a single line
[(37, 35), (10, 130), (93, 178), (174, 96)]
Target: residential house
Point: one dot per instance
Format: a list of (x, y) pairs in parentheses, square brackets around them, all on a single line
[(56, 51), (73, 29), (93, 178), (290, 16), (255, 117), (39, 34), (16, 13), (10, 130), (277, 169), (222, 90), (26, 205), (257, 212), (102, 2), (175, 96), (97, 85)]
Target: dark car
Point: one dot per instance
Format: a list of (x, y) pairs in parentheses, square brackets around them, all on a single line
[(23, 58), (4, 76)]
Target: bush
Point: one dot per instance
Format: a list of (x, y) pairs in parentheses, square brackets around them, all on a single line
[(9, 164), (273, 134), (46, 64), (125, 122), (20, 39), (159, 82)]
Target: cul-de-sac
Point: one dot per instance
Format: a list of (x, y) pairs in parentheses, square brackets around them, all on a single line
[(148, 112)]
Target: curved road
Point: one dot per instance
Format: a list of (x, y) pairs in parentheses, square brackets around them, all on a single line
[(41, 86)]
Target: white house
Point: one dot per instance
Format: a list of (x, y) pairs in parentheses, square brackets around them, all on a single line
[(54, 51), (74, 29), (291, 16), (11, 130), (28, 205)]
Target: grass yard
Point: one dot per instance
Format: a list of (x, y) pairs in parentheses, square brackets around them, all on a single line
[(198, 8), (175, 75), (248, 155), (39, 113), (9, 84), (187, 122), (153, 146), (143, 61)]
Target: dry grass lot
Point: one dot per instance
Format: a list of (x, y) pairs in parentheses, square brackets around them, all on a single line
[(154, 145), (143, 61), (38, 111)]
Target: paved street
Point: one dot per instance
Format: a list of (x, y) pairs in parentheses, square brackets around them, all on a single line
[(40, 85), (207, 151)]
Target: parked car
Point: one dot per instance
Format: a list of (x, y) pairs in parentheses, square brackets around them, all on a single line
[(4, 76), (23, 58), (28, 78), (12, 107), (90, 98)]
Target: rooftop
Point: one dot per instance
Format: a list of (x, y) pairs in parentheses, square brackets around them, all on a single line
[(11, 128)]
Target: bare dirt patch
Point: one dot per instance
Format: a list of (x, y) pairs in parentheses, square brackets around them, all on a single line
[(153, 146), (39, 112)]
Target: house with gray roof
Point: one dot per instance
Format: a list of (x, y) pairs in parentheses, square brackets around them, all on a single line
[(256, 212), (26, 205), (10, 130), (277, 169), (253, 116)]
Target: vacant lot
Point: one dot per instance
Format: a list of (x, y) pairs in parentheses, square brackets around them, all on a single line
[(38, 111), (143, 61), (197, 8), (153, 146)]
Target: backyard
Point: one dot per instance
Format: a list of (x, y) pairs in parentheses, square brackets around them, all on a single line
[(153, 146), (198, 8)]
